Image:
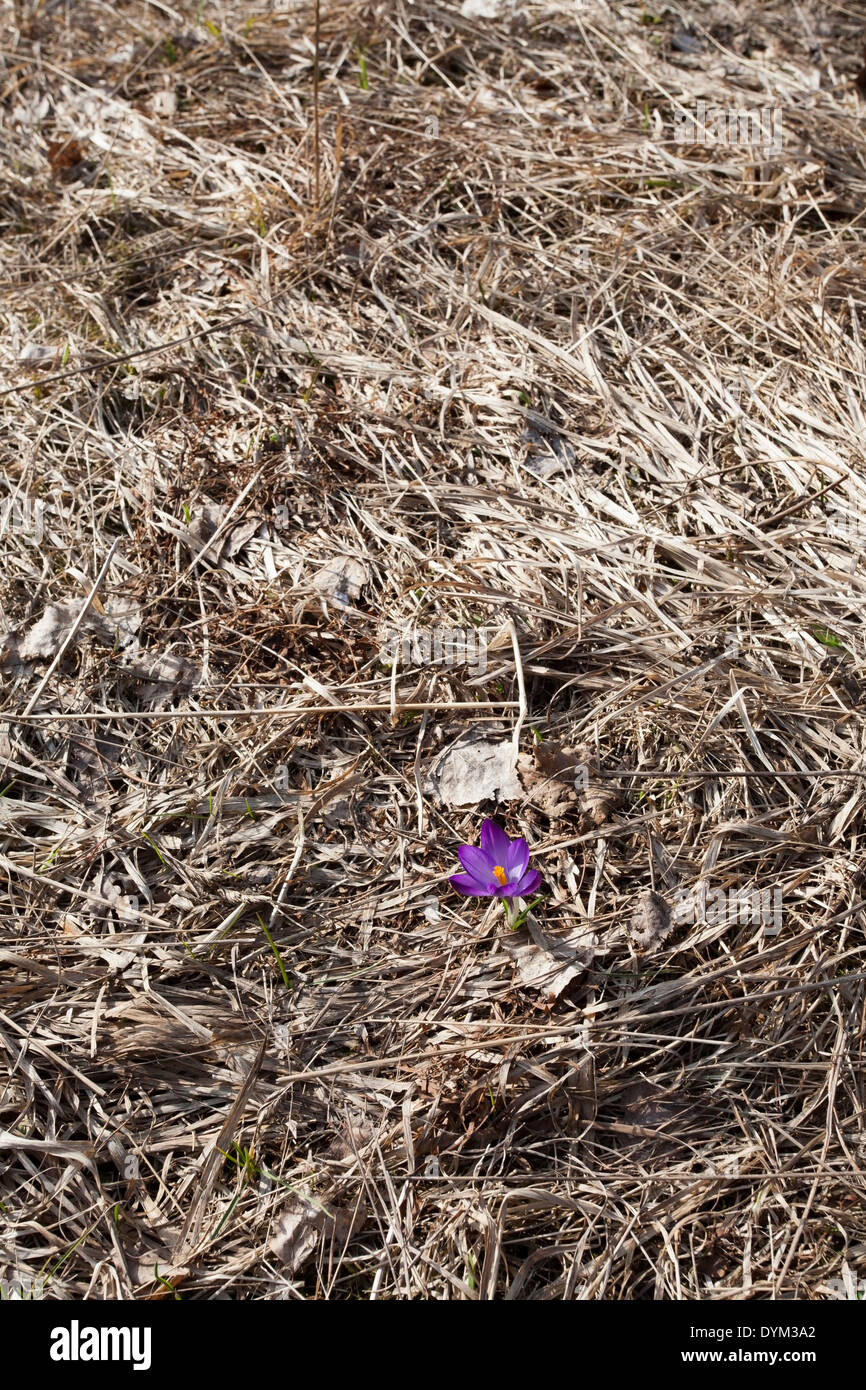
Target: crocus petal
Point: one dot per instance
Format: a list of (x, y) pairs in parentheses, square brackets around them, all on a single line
[(476, 862), (516, 860), (494, 842), (527, 884), (469, 885)]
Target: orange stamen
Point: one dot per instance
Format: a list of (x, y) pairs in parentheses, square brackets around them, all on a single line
[(500, 875)]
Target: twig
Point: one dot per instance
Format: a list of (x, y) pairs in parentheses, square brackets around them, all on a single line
[(291, 711), (316, 101), (521, 686)]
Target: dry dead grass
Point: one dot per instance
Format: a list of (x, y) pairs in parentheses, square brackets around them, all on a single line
[(532, 365)]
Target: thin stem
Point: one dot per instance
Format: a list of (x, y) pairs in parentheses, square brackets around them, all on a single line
[(316, 101)]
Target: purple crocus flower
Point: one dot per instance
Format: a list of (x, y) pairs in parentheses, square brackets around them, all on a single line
[(499, 869)]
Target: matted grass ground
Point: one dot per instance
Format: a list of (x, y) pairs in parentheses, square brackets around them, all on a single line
[(498, 352)]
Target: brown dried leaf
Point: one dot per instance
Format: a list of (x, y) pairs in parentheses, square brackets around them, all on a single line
[(650, 923), (304, 1224), (474, 770), (45, 638), (558, 779), (549, 963), (342, 579), (64, 154)]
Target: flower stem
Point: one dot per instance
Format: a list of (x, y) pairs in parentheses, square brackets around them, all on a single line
[(517, 918)]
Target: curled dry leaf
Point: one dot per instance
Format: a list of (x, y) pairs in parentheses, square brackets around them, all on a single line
[(341, 579), (474, 770), (597, 803), (45, 638), (650, 923), (123, 615), (64, 154), (549, 962), (304, 1223), (114, 627), (163, 675), (201, 533), (548, 788), (598, 799), (558, 779), (657, 1123)]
